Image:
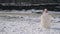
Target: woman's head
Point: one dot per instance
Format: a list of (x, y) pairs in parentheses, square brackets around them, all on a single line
[(45, 10)]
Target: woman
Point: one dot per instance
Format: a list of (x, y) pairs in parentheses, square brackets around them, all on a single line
[(45, 20)]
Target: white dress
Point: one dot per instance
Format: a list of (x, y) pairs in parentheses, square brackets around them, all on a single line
[(45, 21)]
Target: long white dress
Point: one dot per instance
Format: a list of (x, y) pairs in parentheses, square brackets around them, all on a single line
[(45, 21)]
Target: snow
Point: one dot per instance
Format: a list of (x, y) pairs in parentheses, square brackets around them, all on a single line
[(26, 25)]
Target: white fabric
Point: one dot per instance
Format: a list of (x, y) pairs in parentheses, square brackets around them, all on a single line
[(45, 20)]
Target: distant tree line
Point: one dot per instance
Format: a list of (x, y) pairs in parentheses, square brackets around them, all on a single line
[(30, 1)]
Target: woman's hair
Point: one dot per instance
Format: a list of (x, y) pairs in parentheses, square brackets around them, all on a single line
[(45, 10)]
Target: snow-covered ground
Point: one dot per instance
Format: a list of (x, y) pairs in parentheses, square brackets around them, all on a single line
[(28, 11), (27, 25), (23, 23)]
